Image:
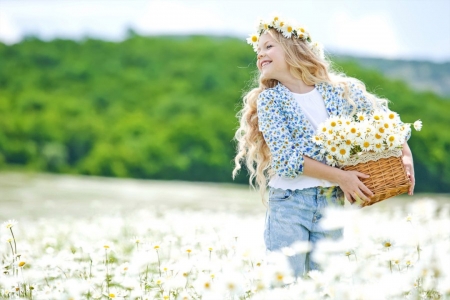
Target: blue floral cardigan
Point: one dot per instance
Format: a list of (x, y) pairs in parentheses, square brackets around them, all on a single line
[(287, 131)]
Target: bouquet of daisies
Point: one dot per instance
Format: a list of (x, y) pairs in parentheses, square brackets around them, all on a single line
[(344, 137)]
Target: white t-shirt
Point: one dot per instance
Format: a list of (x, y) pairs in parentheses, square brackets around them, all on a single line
[(313, 107)]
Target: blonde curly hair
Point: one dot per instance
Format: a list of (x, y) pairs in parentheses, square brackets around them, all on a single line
[(303, 64)]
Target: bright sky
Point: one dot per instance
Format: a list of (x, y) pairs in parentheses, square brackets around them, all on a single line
[(408, 29)]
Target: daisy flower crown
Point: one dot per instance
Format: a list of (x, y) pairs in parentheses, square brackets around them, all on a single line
[(288, 30)]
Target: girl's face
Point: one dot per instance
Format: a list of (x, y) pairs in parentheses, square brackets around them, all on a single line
[(271, 58)]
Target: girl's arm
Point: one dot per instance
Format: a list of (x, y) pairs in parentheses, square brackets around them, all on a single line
[(348, 181), (409, 166)]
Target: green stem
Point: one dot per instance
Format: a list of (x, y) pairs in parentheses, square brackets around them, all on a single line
[(159, 263), (14, 239), (107, 271)]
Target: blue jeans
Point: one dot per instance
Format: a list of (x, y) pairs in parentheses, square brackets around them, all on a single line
[(294, 215)]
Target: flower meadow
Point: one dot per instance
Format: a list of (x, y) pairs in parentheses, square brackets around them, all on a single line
[(398, 252)]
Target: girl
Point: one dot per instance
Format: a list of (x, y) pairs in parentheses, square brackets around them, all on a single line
[(297, 91)]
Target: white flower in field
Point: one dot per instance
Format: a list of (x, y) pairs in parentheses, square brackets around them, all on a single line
[(115, 293), (417, 125), (189, 249), (378, 147), (203, 284), (107, 245), (137, 240), (9, 224)]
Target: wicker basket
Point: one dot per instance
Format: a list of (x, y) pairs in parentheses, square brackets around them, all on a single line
[(387, 179)]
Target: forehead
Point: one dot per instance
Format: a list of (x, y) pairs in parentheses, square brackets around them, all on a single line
[(265, 37)]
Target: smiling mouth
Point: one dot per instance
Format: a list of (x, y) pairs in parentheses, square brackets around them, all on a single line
[(265, 63)]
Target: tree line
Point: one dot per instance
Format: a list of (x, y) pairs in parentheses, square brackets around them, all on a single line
[(162, 108)]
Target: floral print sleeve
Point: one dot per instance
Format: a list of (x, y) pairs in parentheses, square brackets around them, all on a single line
[(287, 158)]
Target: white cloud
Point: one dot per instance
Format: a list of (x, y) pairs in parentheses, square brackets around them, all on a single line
[(369, 34), (9, 33)]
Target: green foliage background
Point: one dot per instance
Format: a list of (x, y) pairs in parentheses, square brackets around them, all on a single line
[(162, 108)]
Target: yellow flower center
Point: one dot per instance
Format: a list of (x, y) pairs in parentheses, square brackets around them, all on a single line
[(254, 39), (377, 136), (302, 29), (333, 124), (289, 29), (387, 244), (386, 125), (111, 295), (366, 144), (231, 286), (361, 118), (391, 116), (333, 149), (279, 277), (281, 24), (21, 264), (156, 247), (348, 142), (381, 130), (207, 285), (342, 151), (376, 117), (353, 130), (378, 146), (391, 138)]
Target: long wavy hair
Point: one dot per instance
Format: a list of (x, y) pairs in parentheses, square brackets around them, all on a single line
[(304, 64)]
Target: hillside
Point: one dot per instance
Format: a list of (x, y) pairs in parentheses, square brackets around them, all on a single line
[(162, 108), (419, 75)]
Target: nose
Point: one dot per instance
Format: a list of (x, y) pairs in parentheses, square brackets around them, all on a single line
[(260, 55)]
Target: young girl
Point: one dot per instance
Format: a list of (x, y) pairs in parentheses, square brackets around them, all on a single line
[(297, 91)]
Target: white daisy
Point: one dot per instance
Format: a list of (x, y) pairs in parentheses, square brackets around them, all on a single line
[(302, 33), (287, 29), (393, 141), (253, 39), (278, 24), (361, 117), (343, 152), (417, 125), (378, 147), (392, 116), (367, 144), (318, 139), (317, 49)]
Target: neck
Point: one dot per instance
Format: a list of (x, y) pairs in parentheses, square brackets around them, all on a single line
[(297, 86)]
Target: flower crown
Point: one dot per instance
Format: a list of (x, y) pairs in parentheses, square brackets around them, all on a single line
[(288, 30)]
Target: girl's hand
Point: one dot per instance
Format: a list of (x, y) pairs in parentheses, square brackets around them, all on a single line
[(409, 168), (352, 187)]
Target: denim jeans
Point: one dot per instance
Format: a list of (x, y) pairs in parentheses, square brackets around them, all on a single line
[(294, 215)]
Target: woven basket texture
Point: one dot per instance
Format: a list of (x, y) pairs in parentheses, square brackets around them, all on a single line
[(387, 178)]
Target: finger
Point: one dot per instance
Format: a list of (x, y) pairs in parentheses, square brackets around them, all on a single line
[(366, 190), (359, 174), (349, 198), (361, 196)]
